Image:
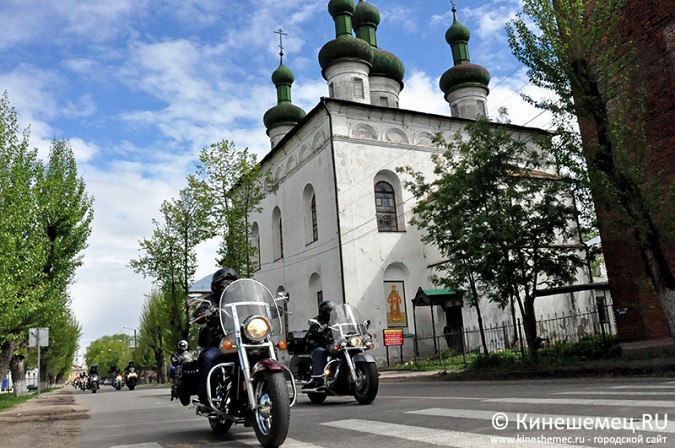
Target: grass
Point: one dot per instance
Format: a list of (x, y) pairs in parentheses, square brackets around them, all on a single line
[(560, 354), (8, 400)]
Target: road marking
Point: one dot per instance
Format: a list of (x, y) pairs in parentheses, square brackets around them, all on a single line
[(602, 392), (640, 386), (476, 414), (440, 437), (586, 402), (140, 445), (289, 443)]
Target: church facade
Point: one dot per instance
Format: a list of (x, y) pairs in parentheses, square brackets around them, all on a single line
[(337, 224)]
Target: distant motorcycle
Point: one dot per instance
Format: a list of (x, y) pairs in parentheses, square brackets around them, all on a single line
[(93, 383), (132, 378), (118, 382), (350, 370), (250, 384)]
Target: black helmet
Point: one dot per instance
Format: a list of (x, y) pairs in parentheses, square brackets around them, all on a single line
[(131, 363), (326, 307), (220, 275)]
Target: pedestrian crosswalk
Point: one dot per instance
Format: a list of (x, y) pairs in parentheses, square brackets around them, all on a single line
[(589, 417)]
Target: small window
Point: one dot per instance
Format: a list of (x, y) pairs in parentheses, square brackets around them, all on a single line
[(480, 108), (331, 90), (315, 226), (319, 297), (455, 110), (358, 88), (384, 101), (385, 207)]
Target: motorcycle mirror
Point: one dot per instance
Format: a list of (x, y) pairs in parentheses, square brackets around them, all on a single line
[(313, 321), (283, 297)]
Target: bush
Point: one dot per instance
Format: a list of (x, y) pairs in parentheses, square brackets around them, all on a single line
[(587, 348)]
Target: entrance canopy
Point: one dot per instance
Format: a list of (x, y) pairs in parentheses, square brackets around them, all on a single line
[(442, 297)]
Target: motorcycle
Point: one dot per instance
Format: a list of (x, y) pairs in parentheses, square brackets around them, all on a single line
[(350, 370), (249, 385), (132, 378), (83, 384), (118, 382), (93, 383)]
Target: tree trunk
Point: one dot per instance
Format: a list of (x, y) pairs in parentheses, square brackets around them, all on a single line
[(161, 367), (6, 350), (530, 326), (17, 366)]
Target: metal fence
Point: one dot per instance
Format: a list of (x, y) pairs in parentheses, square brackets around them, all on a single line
[(569, 328)]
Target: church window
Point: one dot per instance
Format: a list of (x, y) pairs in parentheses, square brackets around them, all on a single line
[(385, 207), (384, 101), (319, 297), (358, 88), (331, 90), (480, 108), (315, 227), (278, 234), (255, 242)]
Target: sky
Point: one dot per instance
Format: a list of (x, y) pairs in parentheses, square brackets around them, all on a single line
[(139, 87)]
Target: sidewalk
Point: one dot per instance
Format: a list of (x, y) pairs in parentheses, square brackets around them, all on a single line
[(48, 421)]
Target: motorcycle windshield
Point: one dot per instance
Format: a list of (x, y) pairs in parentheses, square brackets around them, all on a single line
[(345, 321), (245, 298)]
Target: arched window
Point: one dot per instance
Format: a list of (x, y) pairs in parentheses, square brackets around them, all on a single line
[(385, 207), (278, 234), (255, 243), (310, 215)]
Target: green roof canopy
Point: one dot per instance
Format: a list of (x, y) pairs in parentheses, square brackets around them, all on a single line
[(441, 297)]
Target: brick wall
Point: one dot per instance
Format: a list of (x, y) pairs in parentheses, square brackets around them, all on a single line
[(650, 26)]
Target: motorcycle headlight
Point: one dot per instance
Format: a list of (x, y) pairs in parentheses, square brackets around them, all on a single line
[(356, 341), (256, 328)]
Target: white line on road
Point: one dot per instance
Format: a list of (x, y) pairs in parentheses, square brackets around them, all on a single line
[(604, 392), (586, 402), (433, 436), (513, 416), (140, 445)]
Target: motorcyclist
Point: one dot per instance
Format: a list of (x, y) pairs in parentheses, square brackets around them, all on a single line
[(319, 336), (180, 356), (211, 332), (93, 370), (129, 366)]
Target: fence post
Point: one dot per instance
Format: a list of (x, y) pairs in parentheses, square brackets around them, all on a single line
[(520, 338)]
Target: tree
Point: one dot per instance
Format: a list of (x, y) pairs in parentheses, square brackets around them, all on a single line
[(155, 336), (500, 223), (109, 352), (573, 47), (229, 186)]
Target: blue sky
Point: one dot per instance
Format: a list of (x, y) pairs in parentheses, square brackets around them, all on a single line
[(138, 87)]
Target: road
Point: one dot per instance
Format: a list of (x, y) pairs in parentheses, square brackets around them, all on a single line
[(594, 412)]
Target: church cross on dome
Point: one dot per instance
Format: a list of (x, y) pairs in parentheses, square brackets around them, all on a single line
[(281, 34)]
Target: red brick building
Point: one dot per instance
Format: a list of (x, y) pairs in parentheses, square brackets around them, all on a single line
[(649, 26)]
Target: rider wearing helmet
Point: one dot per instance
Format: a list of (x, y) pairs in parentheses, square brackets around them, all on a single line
[(210, 333), (319, 337), (129, 366)]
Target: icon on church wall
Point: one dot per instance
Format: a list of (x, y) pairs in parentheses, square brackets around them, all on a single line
[(394, 294)]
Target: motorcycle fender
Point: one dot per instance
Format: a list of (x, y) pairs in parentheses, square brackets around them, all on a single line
[(267, 365), (363, 357)]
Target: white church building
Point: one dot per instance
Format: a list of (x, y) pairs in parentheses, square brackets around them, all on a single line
[(337, 226)]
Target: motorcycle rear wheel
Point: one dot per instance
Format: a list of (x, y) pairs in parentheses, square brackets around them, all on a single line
[(272, 416), (367, 382)]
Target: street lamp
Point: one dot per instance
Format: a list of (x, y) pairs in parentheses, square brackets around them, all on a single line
[(134, 330)]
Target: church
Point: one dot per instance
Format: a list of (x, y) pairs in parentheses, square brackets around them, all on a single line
[(336, 226)]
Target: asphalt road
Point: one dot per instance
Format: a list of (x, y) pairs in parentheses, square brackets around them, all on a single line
[(413, 413)]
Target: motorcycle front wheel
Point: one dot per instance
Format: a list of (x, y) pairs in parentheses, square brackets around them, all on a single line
[(367, 382), (272, 415)]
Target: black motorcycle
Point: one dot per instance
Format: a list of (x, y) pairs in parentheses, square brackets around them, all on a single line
[(250, 384), (350, 370), (93, 383)]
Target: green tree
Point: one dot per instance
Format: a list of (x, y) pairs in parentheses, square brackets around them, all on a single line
[(501, 223), (574, 49), (229, 186), (109, 352), (156, 336)]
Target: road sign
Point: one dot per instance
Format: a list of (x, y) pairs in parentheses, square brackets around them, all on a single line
[(38, 335)]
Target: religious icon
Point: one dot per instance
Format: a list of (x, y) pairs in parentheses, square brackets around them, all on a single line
[(395, 297)]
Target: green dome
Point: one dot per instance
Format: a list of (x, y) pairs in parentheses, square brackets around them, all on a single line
[(457, 33), (345, 47), (282, 75), (283, 114), (464, 75), (336, 7), (365, 14), (387, 64)]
